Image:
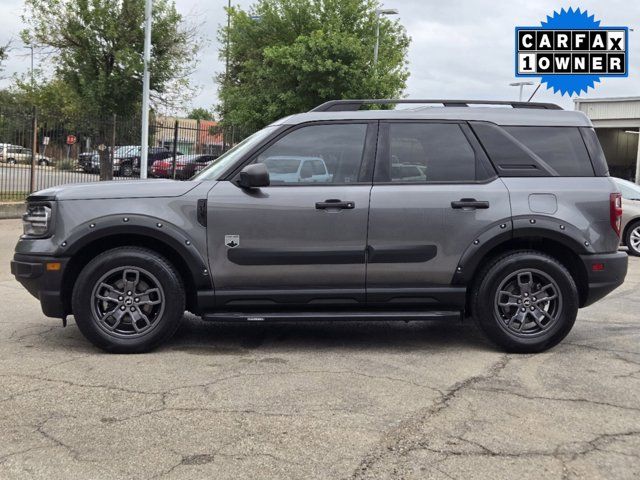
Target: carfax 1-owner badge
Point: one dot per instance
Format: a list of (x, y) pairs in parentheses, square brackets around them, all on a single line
[(571, 51)]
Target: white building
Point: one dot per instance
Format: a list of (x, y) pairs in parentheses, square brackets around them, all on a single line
[(617, 123)]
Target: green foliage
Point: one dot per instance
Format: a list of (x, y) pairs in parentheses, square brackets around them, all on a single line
[(287, 56), (200, 113), (98, 44), (4, 52), (54, 98)]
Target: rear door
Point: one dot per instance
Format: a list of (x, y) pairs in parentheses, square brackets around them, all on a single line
[(300, 241), (434, 193)]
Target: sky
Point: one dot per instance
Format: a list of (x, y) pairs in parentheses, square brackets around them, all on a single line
[(460, 49)]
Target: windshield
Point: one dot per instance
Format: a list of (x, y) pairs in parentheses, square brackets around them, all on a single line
[(224, 161), (629, 190), (125, 151)]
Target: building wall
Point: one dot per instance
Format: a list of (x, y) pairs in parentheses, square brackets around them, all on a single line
[(620, 149)]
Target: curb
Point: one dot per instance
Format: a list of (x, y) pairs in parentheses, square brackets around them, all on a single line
[(11, 210)]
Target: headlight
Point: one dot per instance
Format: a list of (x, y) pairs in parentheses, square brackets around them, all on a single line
[(116, 161), (37, 220)]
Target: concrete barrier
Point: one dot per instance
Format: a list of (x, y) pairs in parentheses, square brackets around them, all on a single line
[(11, 209)]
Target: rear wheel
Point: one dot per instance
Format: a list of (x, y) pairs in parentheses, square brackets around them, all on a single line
[(632, 238), (11, 161), (126, 170), (43, 163), (128, 300), (525, 301)]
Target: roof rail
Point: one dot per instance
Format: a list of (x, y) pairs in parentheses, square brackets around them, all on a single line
[(353, 105)]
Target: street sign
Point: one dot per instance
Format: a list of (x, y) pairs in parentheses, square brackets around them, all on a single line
[(45, 140), (71, 139)]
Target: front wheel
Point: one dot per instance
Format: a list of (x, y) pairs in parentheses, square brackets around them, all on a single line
[(43, 163), (525, 301), (632, 238), (128, 300)]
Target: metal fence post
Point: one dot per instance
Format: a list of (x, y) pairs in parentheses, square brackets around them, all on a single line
[(34, 147), (111, 156), (175, 149)]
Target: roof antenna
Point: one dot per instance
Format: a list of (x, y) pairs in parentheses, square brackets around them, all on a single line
[(534, 92)]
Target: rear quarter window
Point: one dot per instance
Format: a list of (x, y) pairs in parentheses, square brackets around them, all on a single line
[(562, 148)]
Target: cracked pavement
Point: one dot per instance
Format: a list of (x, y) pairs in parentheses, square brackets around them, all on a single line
[(318, 400)]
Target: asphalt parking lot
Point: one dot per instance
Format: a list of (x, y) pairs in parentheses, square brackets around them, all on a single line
[(340, 400)]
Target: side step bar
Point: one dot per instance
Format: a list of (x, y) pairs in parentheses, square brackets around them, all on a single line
[(332, 316)]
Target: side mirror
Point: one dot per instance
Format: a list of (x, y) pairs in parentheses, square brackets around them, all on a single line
[(254, 176)]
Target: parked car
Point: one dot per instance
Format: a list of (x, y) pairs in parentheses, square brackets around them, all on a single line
[(126, 161), (516, 224), (185, 166), (288, 169), (14, 154), (89, 161), (630, 215)]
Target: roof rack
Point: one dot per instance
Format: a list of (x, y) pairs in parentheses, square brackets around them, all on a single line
[(353, 105)]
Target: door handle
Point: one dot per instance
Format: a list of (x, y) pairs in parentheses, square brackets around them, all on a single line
[(470, 203), (335, 203)]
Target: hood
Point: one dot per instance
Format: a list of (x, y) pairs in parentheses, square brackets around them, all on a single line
[(115, 189)]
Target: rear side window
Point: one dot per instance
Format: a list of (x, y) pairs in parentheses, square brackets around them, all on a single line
[(562, 148), (425, 153)]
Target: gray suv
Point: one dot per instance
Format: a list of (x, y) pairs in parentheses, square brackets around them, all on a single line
[(506, 215)]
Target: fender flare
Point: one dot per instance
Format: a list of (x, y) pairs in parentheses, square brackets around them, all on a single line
[(520, 227), (140, 225)]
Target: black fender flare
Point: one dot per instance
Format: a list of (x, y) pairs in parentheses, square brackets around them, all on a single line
[(140, 225), (520, 227)]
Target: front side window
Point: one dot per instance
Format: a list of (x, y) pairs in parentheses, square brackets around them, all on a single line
[(427, 152), (324, 154)]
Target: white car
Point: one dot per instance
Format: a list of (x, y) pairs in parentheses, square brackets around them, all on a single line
[(285, 169)]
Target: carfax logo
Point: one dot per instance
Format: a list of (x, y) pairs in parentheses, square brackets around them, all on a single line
[(570, 51)]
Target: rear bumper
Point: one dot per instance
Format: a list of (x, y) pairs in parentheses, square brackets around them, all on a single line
[(605, 273), (46, 285)]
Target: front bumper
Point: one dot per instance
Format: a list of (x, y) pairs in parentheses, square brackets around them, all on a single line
[(46, 285), (605, 273)]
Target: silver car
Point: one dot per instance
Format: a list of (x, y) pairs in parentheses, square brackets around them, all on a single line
[(509, 217), (630, 215)]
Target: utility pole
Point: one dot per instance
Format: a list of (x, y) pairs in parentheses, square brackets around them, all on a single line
[(144, 137)]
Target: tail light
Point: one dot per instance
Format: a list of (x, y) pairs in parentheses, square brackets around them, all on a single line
[(615, 211)]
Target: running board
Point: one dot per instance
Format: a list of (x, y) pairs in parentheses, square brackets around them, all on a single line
[(332, 316)]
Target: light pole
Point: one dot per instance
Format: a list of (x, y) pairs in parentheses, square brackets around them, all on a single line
[(144, 140), (521, 85), (379, 12)]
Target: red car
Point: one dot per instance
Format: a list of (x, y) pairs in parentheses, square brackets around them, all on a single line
[(186, 166)]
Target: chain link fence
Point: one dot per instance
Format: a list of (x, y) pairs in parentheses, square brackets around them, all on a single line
[(37, 153)]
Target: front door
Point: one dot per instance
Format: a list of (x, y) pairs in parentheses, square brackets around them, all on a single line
[(301, 241), (434, 193)]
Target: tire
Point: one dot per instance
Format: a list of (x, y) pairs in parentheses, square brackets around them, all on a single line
[(139, 311), (43, 163), (523, 277), (11, 161), (632, 238), (126, 170)]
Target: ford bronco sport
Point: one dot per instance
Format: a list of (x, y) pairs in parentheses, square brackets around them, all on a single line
[(506, 215)]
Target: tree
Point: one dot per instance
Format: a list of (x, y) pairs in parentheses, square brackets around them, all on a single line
[(4, 51), (97, 47), (200, 113), (287, 56)]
